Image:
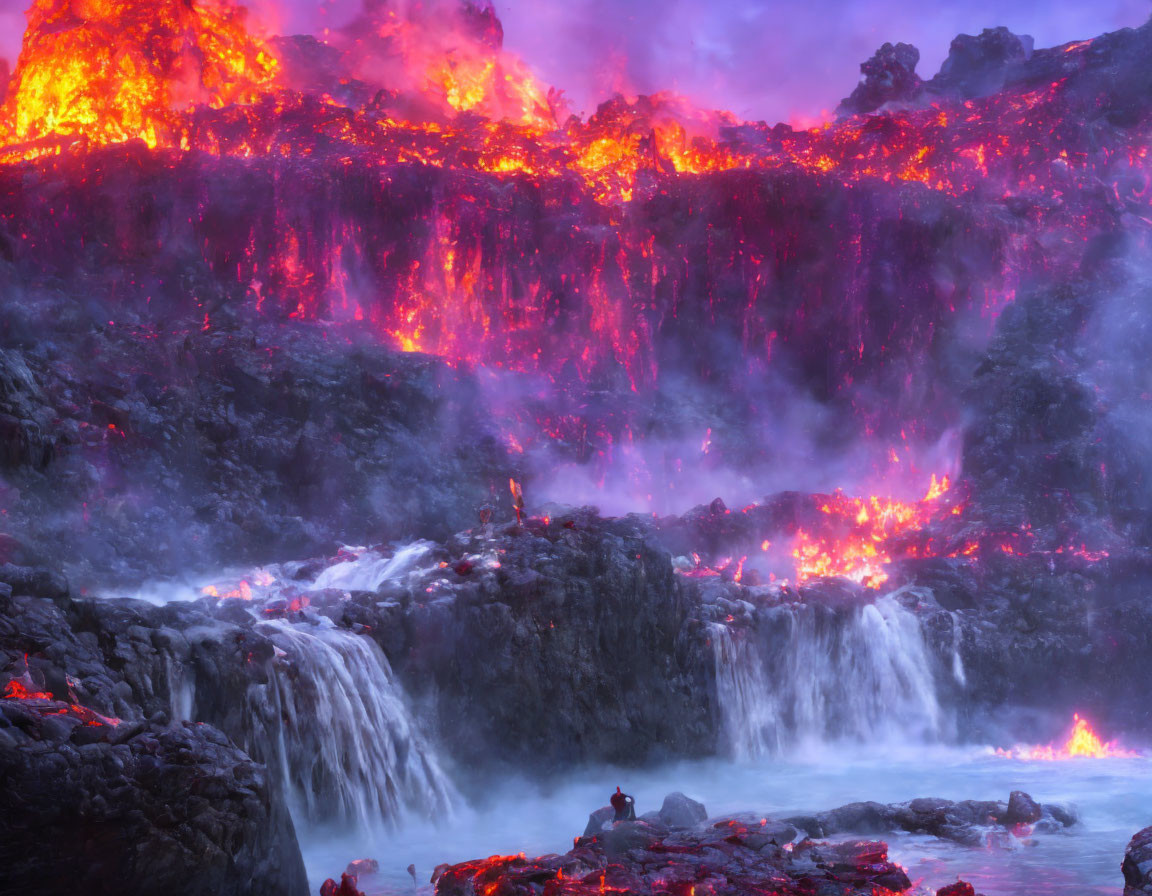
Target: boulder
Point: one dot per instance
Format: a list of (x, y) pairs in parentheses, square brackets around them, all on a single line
[(680, 811), (1022, 809), (1137, 865)]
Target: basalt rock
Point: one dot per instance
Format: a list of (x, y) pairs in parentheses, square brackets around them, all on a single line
[(102, 791), (729, 857), (1137, 865), (967, 822)]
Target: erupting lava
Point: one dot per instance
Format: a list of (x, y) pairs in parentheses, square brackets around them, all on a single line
[(1082, 742), (107, 71), (859, 541)]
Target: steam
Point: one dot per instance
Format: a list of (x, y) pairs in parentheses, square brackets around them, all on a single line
[(760, 60)]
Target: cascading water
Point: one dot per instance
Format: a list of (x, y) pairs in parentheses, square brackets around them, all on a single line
[(806, 673), (332, 721), (347, 748)]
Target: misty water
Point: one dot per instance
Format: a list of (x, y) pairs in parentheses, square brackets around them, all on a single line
[(382, 792), (1111, 796)]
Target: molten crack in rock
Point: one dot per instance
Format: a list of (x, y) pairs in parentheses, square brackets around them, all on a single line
[(45, 704)]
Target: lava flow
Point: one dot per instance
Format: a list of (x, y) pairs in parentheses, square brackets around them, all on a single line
[(858, 542), (1082, 742)]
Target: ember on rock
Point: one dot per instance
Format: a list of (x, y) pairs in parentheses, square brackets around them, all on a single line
[(392, 461)]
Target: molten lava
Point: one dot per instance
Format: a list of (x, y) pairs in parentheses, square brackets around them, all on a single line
[(1082, 742), (107, 71), (858, 541)]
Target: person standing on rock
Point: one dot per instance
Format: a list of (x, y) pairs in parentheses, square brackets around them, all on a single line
[(624, 806)]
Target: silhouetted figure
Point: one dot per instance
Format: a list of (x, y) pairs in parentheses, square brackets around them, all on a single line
[(624, 806)]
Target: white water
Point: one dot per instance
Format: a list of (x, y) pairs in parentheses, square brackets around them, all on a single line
[(349, 752), (370, 570), (806, 676), (1112, 795)]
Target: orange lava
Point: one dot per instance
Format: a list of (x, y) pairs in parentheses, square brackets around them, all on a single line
[(107, 71), (1082, 742), (47, 705), (856, 544), (423, 88)]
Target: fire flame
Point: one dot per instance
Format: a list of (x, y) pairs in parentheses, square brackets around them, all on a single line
[(109, 71), (857, 543), (1083, 742)]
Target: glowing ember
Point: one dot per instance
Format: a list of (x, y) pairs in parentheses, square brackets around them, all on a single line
[(115, 70), (857, 541), (1082, 742), (47, 705)]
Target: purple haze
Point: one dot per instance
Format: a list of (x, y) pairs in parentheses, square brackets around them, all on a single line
[(760, 59)]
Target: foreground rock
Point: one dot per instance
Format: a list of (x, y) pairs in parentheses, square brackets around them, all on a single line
[(100, 792), (1137, 866), (731, 856), (968, 822)]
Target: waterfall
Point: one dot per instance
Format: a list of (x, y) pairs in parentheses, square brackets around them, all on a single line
[(370, 570), (806, 673), (347, 748)]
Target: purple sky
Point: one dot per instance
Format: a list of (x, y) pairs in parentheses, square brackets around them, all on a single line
[(761, 59)]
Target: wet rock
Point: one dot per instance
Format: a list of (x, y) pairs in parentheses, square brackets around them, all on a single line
[(1022, 809), (179, 809), (598, 819), (728, 856), (680, 811), (960, 888), (1137, 864), (346, 887), (968, 822)]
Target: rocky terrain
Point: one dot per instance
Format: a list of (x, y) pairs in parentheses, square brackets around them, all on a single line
[(201, 373), (1138, 864)]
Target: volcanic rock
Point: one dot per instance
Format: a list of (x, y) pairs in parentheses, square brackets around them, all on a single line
[(1137, 865), (1022, 809), (978, 66), (680, 811), (889, 76), (728, 856), (963, 822)]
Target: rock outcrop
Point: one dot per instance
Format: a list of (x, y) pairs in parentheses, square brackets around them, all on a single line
[(1137, 865)]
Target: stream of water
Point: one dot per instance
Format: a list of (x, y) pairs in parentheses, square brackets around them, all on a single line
[(1113, 797)]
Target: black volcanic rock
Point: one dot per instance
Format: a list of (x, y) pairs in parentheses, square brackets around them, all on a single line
[(174, 809), (99, 791), (1137, 865), (1022, 809), (980, 65), (964, 822), (889, 77), (730, 857), (680, 811)]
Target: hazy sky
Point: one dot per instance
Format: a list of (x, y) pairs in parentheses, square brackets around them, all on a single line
[(761, 59)]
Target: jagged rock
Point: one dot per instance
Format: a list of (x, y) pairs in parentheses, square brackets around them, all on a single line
[(889, 76), (962, 822), (597, 821), (728, 856), (1137, 864), (1022, 809), (978, 66), (680, 811)]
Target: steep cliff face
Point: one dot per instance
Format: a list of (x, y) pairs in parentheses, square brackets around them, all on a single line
[(104, 790)]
